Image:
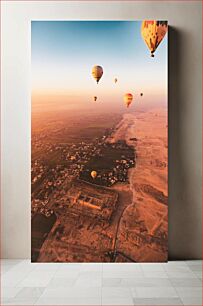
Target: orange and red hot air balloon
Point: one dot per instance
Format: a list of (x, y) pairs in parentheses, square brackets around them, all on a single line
[(128, 97), (153, 31), (93, 174)]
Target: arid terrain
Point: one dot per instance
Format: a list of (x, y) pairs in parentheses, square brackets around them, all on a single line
[(122, 214), (144, 225)]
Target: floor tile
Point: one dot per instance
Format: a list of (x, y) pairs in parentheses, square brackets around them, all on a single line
[(21, 301), (185, 282), (176, 263), (15, 275), (71, 266), (117, 301), (157, 301), (189, 291), (6, 268), (61, 282), (69, 301), (9, 292), (177, 268), (147, 282), (153, 267), (196, 268), (46, 267), (155, 274), (116, 292), (94, 267), (28, 292), (113, 282), (122, 267), (13, 262), (88, 282), (155, 292), (122, 272), (90, 274), (192, 301), (37, 279), (179, 274), (67, 273), (74, 292), (193, 262), (4, 301), (198, 274)]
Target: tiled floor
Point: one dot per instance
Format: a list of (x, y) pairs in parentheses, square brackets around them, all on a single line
[(173, 283)]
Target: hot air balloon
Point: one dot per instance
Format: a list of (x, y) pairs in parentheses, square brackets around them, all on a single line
[(153, 32), (97, 72), (94, 174), (95, 98), (115, 80), (128, 97), (141, 94)]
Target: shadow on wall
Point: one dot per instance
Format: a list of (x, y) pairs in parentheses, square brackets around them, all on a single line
[(184, 207)]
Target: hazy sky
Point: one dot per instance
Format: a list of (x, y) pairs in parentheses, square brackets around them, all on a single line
[(64, 52)]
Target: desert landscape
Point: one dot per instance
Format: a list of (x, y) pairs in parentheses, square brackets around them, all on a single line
[(122, 218), (144, 224)]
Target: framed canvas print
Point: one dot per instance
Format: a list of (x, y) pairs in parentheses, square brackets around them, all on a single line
[(99, 141)]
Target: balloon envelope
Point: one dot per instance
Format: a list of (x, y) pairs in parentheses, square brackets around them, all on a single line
[(128, 97), (94, 174), (153, 31), (97, 72)]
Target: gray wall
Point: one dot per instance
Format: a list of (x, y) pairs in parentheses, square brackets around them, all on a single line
[(184, 113)]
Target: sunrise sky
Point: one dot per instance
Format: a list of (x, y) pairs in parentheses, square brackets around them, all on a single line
[(64, 52)]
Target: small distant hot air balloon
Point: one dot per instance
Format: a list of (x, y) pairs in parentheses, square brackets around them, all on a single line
[(95, 98), (94, 174), (141, 94), (153, 31), (97, 72), (115, 80), (128, 97)]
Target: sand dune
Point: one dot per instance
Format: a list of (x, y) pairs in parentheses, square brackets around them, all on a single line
[(144, 225)]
